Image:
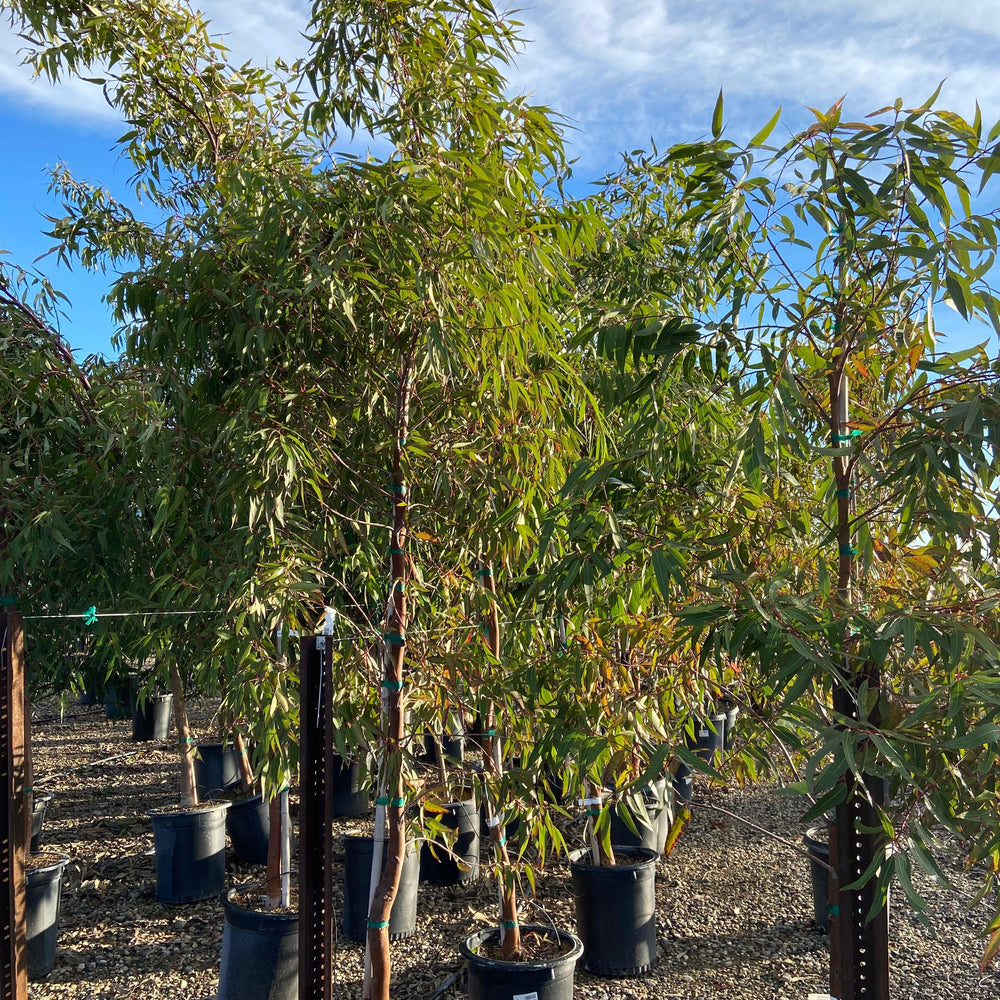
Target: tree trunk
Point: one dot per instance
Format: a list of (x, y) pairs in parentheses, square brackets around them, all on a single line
[(189, 790), (510, 929), (377, 970)]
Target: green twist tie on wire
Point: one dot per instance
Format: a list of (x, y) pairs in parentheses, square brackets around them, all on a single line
[(845, 494), (396, 637), (90, 616), (377, 925), (393, 685), (847, 550), (508, 925)]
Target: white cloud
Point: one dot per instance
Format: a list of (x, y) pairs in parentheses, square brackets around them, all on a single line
[(625, 70)]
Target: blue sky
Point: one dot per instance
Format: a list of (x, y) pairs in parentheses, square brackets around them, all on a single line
[(621, 71)]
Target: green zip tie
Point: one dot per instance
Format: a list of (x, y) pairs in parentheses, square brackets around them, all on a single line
[(377, 925), (484, 572), (856, 433), (27, 791), (399, 585), (395, 552), (90, 616), (396, 637), (501, 842), (402, 442), (393, 685), (384, 800), (592, 812), (845, 494), (398, 488), (833, 909), (509, 925), (847, 550)]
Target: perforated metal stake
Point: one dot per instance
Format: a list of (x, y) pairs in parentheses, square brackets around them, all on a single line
[(13, 952), (316, 911), (859, 949)]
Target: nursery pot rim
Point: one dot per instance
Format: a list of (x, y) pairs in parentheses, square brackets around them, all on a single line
[(62, 861), (816, 838), (247, 917), (478, 938), (158, 812), (647, 859)]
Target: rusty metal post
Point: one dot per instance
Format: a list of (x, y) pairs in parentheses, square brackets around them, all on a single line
[(14, 955), (316, 911)]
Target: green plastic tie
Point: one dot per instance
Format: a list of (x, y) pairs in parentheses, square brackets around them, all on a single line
[(501, 841), (377, 925), (396, 637), (592, 812), (402, 442), (393, 685), (28, 791), (382, 800), (845, 494), (833, 909), (484, 572), (90, 616), (856, 433), (399, 585), (847, 550), (398, 488), (395, 552), (508, 925)]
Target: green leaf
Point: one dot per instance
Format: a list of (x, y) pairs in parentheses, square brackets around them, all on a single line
[(717, 117)]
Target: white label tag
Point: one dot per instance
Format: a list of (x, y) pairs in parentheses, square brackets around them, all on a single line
[(703, 733), (524, 996), (321, 642)]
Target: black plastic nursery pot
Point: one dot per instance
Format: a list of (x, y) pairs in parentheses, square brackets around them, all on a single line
[(357, 888), (216, 768), (43, 894), (248, 823), (710, 736), (492, 979), (683, 784), (151, 718), (350, 797), (815, 840), (652, 825), (190, 848), (452, 746), (616, 910), (441, 865), (260, 951), (39, 803)]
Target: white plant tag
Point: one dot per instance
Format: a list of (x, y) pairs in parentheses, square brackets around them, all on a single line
[(320, 642), (524, 996), (703, 733)]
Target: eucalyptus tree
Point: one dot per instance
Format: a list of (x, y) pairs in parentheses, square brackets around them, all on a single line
[(881, 443)]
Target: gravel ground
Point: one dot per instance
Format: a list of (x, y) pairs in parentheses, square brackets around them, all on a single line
[(734, 905)]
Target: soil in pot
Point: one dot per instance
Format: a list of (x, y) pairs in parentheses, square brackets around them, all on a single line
[(39, 803), (545, 978), (216, 768), (151, 718), (190, 847), (459, 863), (616, 911), (816, 843), (357, 887), (260, 949), (43, 894)]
